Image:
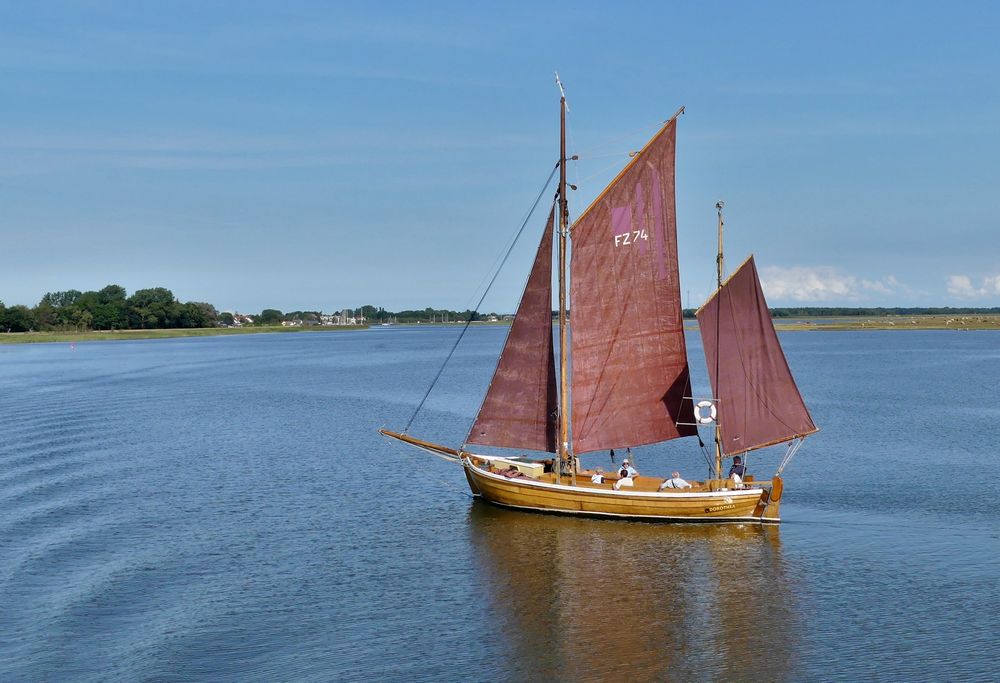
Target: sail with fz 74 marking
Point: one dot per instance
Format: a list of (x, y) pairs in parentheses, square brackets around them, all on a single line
[(629, 360)]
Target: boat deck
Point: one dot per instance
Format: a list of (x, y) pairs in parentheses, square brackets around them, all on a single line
[(641, 483)]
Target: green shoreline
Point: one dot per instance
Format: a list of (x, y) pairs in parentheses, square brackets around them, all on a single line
[(887, 323), (120, 335), (895, 323)]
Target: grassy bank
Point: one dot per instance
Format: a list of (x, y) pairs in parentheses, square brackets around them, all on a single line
[(117, 335), (929, 322), (902, 322)]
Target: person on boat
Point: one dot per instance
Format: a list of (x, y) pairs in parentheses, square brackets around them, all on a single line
[(626, 475), (598, 477), (675, 482), (737, 471)]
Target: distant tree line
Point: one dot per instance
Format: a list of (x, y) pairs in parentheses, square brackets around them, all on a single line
[(157, 308), (108, 309), (378, 315), (879, 312), (850, 312), (374, 314), (147, 309)]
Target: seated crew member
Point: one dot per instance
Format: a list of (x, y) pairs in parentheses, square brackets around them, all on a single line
[(626, 475), (675, 482), (737, 471)]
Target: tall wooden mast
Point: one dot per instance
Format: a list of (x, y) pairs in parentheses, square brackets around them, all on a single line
[(564, 455), (719, 268)]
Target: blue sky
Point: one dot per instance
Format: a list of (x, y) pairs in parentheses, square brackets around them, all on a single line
[(323, 155)]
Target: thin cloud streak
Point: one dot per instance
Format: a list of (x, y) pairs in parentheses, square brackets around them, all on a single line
[(808, 88), (244, 50), (32, 153), (221, 142)]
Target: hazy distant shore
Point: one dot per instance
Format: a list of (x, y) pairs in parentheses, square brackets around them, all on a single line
[(901, 322), (837, 324), (895, 323), (118, 335)]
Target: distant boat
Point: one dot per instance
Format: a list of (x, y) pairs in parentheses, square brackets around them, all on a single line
[(630, 383)]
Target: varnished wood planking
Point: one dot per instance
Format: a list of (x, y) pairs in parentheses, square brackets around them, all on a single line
[(512, 492)]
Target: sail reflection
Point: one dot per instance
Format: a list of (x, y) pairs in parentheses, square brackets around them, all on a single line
[(581, 599)]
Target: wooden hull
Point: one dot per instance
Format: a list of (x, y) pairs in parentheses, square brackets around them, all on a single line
[(680, 506), (541, 494)]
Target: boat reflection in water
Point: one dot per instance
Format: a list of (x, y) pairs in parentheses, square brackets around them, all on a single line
[(602, 600)]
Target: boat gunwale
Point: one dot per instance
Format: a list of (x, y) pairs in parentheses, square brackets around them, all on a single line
[(656, 495)]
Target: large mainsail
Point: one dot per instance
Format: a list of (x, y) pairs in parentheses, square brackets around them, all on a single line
[(521, 406), (758, 401), (629, 361)]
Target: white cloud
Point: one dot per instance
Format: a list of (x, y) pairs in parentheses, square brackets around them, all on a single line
[(962, 287), (823, 283), (991, 285)]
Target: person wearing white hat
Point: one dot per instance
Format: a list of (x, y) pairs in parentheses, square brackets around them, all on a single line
[(626, 475)]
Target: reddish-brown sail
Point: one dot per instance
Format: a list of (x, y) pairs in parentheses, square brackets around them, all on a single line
[(521, 406), (759, 403), (630, 369)]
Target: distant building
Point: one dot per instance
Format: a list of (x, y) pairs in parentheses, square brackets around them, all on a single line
[(347, 317)]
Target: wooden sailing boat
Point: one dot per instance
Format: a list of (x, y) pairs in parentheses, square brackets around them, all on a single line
[(630, 382)]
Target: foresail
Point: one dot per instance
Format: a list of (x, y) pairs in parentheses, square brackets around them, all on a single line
[(629, 360), (520, 408), (759, 403)]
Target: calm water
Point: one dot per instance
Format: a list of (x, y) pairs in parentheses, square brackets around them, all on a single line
[(222, 509)]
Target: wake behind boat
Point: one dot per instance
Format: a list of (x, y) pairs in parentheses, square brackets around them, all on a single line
[(630, 382)]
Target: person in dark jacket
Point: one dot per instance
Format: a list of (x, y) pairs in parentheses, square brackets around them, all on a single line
[(738, 470)]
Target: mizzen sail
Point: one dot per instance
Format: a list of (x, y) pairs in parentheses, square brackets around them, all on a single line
[(521, 406), (759, 403), (629, 361)]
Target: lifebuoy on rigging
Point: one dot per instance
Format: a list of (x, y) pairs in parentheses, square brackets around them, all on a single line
[(702, 418)]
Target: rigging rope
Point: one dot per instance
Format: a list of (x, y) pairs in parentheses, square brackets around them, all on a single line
[(604, 146), (482, 298), (614, 164), (512, 240), (618, 154)]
